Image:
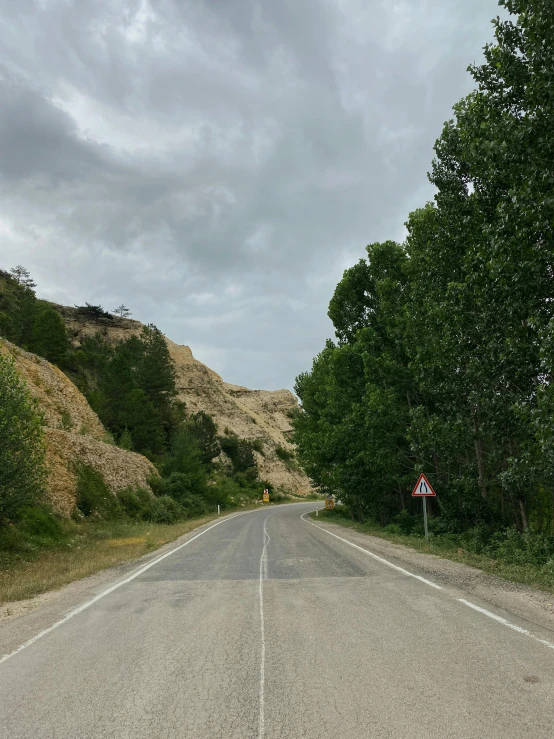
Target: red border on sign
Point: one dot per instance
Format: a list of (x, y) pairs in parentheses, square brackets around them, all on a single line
[(415, 494)]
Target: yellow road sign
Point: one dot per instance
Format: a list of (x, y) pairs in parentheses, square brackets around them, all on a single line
[(329, 503), (266, 496)]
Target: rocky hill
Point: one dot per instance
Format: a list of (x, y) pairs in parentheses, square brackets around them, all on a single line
[(260, 415), (73, 433)]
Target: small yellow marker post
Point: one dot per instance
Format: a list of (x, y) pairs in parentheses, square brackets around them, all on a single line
[(266, 496)]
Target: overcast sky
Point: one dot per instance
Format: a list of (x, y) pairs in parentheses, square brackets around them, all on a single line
[(216, 164)]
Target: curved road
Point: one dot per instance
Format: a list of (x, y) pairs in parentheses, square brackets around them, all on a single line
[(264, 626)]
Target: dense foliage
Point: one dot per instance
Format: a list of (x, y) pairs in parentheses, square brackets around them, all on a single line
[(28, 322), (131, 385), (444, 351), (21, 446)]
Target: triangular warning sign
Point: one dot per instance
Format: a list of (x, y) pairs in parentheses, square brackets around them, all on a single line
[(423, 488)]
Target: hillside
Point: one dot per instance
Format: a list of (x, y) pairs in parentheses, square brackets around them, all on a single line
[(73, 433), (260, 415)]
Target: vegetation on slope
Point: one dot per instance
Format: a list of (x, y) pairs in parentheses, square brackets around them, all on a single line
[(21, 446), (131, 386)]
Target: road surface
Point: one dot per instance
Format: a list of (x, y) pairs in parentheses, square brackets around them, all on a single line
[(265, 626)]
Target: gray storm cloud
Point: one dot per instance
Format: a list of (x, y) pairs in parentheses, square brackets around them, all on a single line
[(217, 165)]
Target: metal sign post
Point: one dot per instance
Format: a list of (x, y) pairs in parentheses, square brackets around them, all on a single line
[(424, 490)]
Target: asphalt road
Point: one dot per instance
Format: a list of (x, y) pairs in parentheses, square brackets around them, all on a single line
[(267, 627)]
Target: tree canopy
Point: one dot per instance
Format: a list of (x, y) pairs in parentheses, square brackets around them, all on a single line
[(444, 353)]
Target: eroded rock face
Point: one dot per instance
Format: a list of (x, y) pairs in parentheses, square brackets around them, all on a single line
[(61, 403), (250, 414), (119, 468), (73, 433)]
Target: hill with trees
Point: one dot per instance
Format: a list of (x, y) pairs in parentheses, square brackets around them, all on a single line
[(118, 408)]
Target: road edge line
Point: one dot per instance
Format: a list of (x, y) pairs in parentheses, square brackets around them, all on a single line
[(499, 619), (116, 586), (375, 556)]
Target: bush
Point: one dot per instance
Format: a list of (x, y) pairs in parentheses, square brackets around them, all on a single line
[(516, 548), (284, 454), (126, 440), (136, 503), (239, 452), (93, 495), (405, 522), (37, 527), (182, 488), (193, 506), (279, 497), (22, 471), (258, 446), (165, 510), (288, 457)]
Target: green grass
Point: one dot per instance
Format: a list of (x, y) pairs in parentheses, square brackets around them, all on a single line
[(538, 576)]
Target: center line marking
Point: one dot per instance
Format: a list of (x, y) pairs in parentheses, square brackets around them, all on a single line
[(263, 575)]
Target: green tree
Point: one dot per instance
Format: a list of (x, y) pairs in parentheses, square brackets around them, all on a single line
[(156, 373), (204, 430), (49, 336), (184, 469), (143, 422), (22, 450), (23, 277), (122, 311)]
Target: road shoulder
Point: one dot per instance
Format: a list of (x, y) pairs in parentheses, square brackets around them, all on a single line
[(535, 606)]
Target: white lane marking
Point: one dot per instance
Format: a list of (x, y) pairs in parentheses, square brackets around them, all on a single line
[(111, 589), (379, 559), (468, 603), (263, 575), (504, 622)]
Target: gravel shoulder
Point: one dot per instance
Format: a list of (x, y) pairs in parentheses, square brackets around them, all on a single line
[(535, 606)]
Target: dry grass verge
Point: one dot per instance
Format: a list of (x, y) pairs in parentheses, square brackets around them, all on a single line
[(89, 547), (92, 547)]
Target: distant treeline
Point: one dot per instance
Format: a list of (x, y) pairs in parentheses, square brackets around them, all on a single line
[(444, 353)]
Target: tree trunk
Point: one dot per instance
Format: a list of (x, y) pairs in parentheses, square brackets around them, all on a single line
[(481, 468), (524, 521)]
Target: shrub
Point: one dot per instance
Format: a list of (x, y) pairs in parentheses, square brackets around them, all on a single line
[(136, 503), (258, 446), (239, 452), (22, 471), (37, 527), (182, 488), (126, 440), (284, 454), (66, 422), (93, 495), (405, 522), (166, 510)]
